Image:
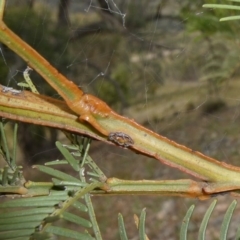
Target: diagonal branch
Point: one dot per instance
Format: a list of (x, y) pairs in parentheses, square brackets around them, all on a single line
[(29, 107), (108, 125)]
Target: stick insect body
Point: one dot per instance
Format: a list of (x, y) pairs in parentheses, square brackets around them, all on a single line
[(121, 130)]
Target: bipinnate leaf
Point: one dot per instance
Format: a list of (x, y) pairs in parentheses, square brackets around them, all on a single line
[(227, 7), (226, 220), (64, 232), (76, 219), (204, 223), (142, 234), (71, 160), (185, 222), (121, 227), (56, 173)]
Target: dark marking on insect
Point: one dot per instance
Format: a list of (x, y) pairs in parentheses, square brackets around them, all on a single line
[(121, 139)]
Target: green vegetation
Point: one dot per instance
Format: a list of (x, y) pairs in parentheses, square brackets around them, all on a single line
[(187, 90)]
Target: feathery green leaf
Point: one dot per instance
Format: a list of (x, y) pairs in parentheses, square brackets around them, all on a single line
[(121, 227), (185, 222), (76, 219), (142, 234), (56, 173), (71, 160), (203, 226), (68, 233), (226, 220)]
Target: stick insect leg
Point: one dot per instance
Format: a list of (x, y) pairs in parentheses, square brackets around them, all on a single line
[(219, 187), (91, 120), (28, 82)]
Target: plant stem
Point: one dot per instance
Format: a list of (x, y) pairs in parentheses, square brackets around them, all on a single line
[(144, 140)]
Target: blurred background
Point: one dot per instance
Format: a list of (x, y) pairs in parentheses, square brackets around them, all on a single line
[(169, 64)]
